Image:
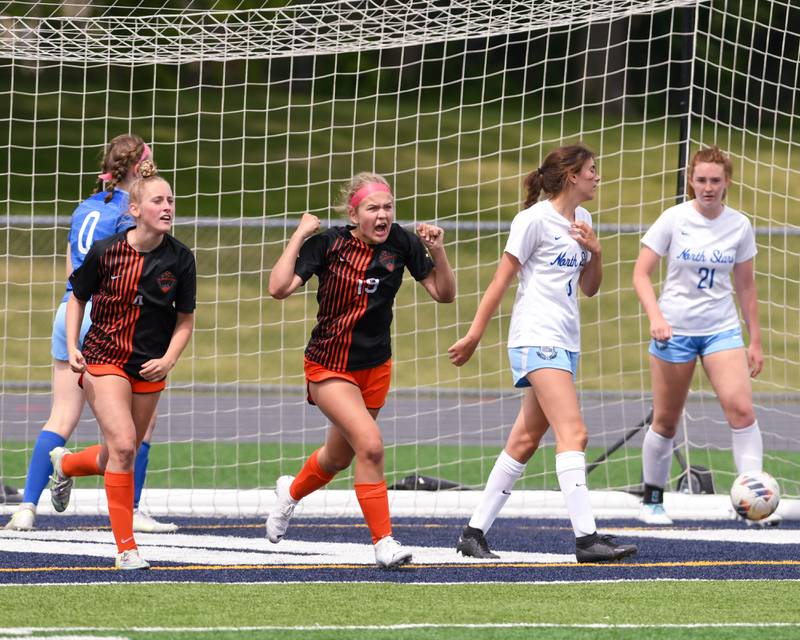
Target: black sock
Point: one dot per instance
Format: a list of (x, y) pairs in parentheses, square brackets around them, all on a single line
[(653, 494), (586, 541), (472, 532)]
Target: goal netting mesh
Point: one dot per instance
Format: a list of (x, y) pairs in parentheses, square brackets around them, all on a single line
[(257, 114)]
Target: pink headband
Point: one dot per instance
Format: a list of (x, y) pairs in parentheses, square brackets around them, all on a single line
[(366, 190), (145, 155)]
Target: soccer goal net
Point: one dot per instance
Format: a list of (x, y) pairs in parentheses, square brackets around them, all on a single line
[(257, 114)]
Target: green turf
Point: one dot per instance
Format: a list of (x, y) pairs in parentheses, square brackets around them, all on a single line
[(301, 605), (231, 466)]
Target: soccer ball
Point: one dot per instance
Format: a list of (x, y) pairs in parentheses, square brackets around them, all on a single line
[(755, 495)]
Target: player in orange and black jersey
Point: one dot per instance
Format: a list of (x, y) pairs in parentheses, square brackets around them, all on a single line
[(142, 285), (348, 359), (357, 286), (136, 298)]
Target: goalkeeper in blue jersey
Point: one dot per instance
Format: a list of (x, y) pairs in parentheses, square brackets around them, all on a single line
[(101, 215)]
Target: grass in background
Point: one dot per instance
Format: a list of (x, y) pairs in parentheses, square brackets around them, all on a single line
[(246, 466)]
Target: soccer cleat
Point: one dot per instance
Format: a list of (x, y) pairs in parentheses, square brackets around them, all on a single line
[(281, 513), (472, 543), (144, 523), (60, 485), (389, 554), (653, 513), (594, 548), (22, 519), (130, 560)]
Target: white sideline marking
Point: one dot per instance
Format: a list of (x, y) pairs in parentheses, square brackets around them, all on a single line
[(771, 535), (226, 550)]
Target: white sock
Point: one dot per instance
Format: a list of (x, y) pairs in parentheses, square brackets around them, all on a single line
[(571, 471), (505, 473), (656, 458), (748, 448)]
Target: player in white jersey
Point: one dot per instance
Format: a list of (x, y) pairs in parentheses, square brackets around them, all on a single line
[(705, 241), (101, 215), (552, 249)]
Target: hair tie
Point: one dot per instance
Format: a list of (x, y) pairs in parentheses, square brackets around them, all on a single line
[(146, 153), (105, 177), (366, 190)]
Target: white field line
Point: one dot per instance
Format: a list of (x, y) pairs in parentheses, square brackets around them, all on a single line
[(227, 550)]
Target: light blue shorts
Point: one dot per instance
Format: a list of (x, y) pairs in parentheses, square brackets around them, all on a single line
[(687, 348), (58, 346), (527, 359)]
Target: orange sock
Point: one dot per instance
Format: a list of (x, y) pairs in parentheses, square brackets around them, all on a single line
[(82, 463), (119, 492), (374, 501), (310, 478)]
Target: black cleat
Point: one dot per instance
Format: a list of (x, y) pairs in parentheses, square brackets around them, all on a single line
[(594, 548), (472, 543)]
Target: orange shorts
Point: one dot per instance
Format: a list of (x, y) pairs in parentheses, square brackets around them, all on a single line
[(137, 386), (373, 383)]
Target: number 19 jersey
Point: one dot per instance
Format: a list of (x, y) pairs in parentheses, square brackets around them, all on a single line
[(696, 296), (357, 286)]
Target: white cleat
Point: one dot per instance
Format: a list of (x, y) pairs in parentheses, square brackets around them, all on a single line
[(130, 560), (22, 519), (60, 485), (653, 514), (145, 523), (281, 514), (389, 554)]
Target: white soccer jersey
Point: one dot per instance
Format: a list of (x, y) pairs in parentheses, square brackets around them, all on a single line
[(696, 297), (546, 307)]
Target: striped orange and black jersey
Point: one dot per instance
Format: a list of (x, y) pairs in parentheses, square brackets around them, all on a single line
[(357, 286), (135, 299)]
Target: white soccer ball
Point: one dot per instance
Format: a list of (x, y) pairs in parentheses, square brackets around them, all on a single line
[(755, 495)]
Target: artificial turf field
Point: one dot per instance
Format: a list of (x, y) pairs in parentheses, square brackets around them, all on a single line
[(222, 579)]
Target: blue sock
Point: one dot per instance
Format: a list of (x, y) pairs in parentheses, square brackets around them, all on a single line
[(140, 472), (41, 468)]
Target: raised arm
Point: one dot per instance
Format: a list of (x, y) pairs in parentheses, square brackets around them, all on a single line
[(283, 281), (507, 270), (745, 285), (441, 281), (643, 285)]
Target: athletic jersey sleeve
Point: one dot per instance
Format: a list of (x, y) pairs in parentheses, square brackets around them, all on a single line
[(659, 235), (186, 296), (85, 280), (124, 221), (312, 256), (419, 262), (746, 250), (523, 237)]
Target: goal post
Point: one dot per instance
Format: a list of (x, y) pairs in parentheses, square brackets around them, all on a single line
[(257, 115)]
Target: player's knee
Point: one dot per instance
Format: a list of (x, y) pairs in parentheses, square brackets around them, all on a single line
[(122, 454), (575, 437), (740, 416), (372, 453)]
